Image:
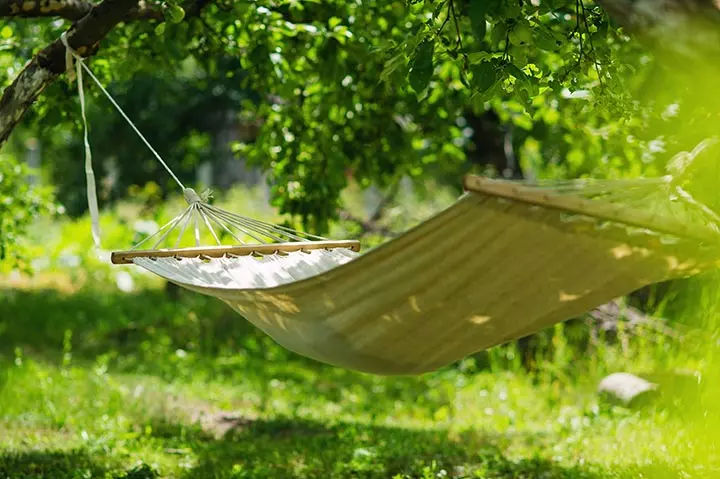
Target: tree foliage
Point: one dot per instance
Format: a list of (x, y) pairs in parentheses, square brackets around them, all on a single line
[(20, 204), (377, 90)]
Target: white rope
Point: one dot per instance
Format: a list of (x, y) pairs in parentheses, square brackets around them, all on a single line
[(198, 211), (79, 64), (182, 219), (89, 173), (197, 225), (207, 223), (184, 227), (171, 225)]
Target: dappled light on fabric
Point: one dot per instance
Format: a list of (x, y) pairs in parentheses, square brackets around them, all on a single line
[(506, 260), (483, 272)]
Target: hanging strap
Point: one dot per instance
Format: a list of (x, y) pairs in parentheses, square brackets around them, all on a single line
[(89, 173)]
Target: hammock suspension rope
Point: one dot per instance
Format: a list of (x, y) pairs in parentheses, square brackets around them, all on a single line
[(199, 212)]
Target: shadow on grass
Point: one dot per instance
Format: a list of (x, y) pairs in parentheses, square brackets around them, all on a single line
[(65, 465), (292, 448), (101, 319), (47, 464), (132, 328), (305, 449), (192, 338)]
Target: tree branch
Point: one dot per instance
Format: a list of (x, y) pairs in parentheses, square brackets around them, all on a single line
[(72, 10), (641, 14), (371, 224), (367, 226), (684, 39), (44, 67), (84, 37)]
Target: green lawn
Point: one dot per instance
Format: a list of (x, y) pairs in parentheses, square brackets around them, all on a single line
[(97, 383)]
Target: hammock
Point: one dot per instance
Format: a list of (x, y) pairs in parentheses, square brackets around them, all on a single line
[(506, 260)]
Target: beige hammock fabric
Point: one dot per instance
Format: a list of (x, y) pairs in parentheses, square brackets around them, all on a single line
[(501, 263)]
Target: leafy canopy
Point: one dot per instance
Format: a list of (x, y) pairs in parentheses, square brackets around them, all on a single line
[(379, 90)]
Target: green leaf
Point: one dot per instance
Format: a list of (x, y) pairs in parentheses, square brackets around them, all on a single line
[(439, 9), (498, 32), (160, 29), (544, 39), (422, 66), (392, 65), (6, 32), (484, 76), (521, 34), (423, 57), (478, 9), (174, 13), (477, 57), (516, 72), (334, 22), (602, 28)]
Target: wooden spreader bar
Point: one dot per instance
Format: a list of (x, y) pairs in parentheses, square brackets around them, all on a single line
[(638, 218), (126, 257)]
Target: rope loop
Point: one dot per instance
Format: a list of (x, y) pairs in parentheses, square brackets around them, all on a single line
[(69, 54)]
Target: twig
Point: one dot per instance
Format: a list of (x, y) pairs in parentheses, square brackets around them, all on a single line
[(457, 24), (367, 226), (506, 53), (577, 29), (447, 17), (592, 47)]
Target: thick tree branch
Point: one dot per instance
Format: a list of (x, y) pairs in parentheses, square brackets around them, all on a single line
[(372, 223), (641, 14), (42, 70), (84, 37), (72, 10)]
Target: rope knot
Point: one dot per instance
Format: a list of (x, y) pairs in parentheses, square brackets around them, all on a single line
[(191, 196), (69, 54)]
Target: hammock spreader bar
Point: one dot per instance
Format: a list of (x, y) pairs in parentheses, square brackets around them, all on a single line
[(127, 257)]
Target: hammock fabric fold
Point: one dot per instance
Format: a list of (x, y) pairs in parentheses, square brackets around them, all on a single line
[(501, 263)]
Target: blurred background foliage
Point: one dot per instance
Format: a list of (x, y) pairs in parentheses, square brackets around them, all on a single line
[(317, 93)]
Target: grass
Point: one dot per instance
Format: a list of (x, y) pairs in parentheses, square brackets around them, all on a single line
[(98, 381)]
